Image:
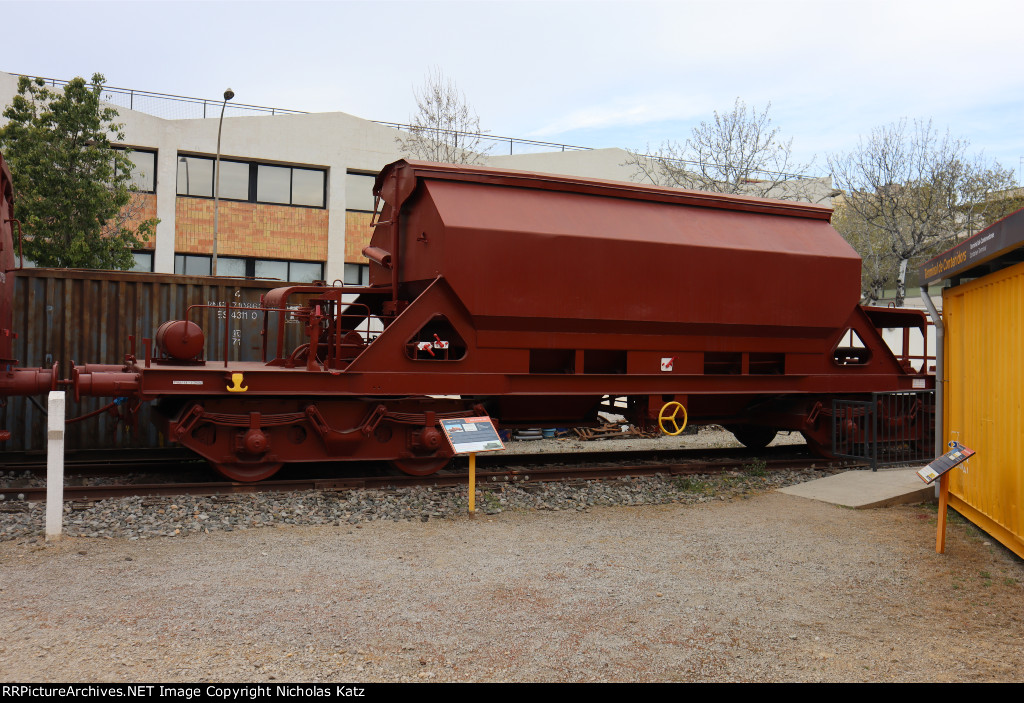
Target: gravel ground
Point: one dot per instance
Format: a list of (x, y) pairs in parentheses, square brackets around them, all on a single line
[(693, 579)]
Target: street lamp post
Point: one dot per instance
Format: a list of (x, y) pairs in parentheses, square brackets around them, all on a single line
[(228, 94)]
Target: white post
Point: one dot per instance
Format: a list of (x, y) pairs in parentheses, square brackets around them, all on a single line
[(54, 465)]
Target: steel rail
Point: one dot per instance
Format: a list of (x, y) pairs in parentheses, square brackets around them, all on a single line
[(95, 462), (452, 478)]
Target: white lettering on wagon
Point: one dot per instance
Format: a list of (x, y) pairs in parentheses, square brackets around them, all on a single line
[(186, 383), (236, 312)]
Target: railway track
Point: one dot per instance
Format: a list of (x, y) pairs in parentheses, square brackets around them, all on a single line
[(92, 463), (512, 469)]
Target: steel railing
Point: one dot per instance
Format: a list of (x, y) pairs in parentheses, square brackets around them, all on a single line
[(891, 428)]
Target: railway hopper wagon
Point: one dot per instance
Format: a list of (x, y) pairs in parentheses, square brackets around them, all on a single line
[(540, 300)]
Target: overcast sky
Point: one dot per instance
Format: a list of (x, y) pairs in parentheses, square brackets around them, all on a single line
[(589, 73)]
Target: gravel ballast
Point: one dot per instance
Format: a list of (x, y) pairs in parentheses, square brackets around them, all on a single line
[(145, 517), (141, 518), (653, 579)]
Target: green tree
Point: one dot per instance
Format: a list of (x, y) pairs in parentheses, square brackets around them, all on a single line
[(73, 192)]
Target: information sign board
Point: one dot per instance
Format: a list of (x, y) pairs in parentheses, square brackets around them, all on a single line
[(954, 457), (469, 435)]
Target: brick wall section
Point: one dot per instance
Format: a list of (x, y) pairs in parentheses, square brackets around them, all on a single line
[(357, 236), (146, 211), (251, 229)]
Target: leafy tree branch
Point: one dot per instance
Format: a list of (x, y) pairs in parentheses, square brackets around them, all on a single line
[(73, 189)]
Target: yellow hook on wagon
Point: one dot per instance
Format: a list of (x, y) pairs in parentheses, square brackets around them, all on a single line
[(668, 414)]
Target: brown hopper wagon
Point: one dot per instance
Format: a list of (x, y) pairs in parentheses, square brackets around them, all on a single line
[(539, 300)]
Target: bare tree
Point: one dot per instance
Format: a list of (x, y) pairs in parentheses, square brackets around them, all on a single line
[(445, 128), (736, 152), (914, 190)]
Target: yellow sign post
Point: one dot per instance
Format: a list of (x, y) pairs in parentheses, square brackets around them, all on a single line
[(939, 469), (469, 435), (472, 484), (940, 530)]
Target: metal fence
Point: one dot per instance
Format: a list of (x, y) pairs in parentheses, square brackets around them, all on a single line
[(891, 428)]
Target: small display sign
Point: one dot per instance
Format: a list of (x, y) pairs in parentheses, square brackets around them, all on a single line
[(954, 457), (469, 435)]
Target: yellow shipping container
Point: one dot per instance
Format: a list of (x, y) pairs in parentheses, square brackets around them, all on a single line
[(984, 392)]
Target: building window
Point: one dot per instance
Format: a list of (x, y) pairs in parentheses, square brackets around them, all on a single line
[(305, 271), (247, 267), (143, 261), (308, 187), (359, 191), (234, 180), (195, 177), (192, 265), (143, 178), (357, 274), (272, 269), (273, 184), (231, 266), (252, 182)]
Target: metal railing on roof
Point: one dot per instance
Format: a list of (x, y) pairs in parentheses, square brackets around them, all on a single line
[(526, 144), (181, 107), (176, 107), (485, 136)]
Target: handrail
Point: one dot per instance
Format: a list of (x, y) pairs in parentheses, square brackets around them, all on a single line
[(363, 328)]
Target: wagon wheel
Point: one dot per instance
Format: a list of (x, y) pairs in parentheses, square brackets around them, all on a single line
[(753, 436), (667, 418), (246, 473), (416, 466)]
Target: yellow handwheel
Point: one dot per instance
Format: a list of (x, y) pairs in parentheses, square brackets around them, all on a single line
[(664, 415)]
